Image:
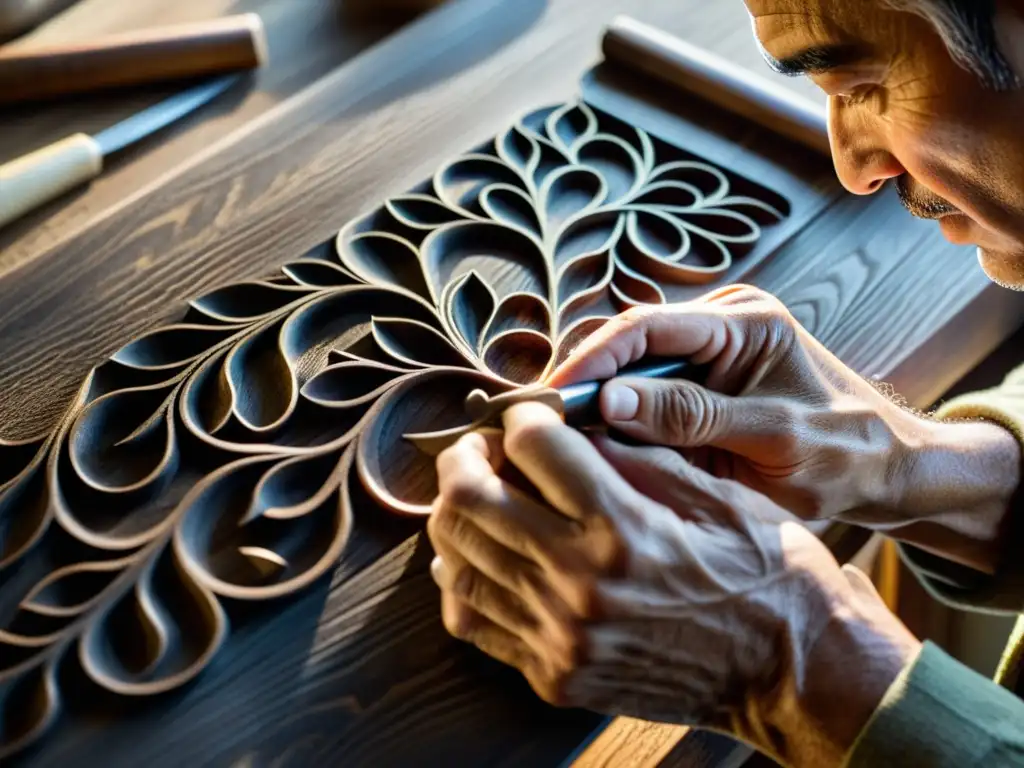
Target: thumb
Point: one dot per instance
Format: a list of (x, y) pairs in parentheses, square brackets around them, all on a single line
[(683, 414)]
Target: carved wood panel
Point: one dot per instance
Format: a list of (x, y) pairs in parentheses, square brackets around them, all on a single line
[(217, 459)]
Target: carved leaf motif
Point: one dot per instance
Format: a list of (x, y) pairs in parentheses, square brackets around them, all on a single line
[(157, 636), (347, 384), (316, 273), (511, 206), (24, 512), (568, 193), (249, 515), (391, 468), (173, 346), (29, 705), (421, 211), (73, 589), (500, 255), (469, 307), (415, 344), (616, 162), (215, 458), (520, 151), (460, 184), (571, 125), (124, 440), (383, 259), (519, 356), (248, 301)]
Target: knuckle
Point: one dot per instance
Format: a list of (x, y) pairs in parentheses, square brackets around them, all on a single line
[(525, 437), (465, 493), (684, 412), (586, 600), (457, 619)]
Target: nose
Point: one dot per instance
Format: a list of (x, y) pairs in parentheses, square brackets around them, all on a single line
[(860, 148)]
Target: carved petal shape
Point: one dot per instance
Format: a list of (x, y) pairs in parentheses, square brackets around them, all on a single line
[(520, 311), (294, 487), (394, 470), (230, 550), (519, 356), (248, 301), (460, 184), (632, 289), (73, 589), (383, 259), (262, 383), (594, 233), (499, 254), (712, 183), (24, 512), (317, 273), (520, 151), (16, 456), (569, 192), (469, 306), (511, 206), (348, 384), (582, 276), (124, 441), (415, 344), (421, 211), (616, 162), (570, 125), (173, 346), (29, 705), (723, 225), (158, 636)]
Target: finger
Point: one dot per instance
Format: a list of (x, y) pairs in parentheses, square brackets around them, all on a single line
[(686, 415), (573, 477), (693, 330), (488, 599), (453, 533), (501, 511), (465, 624)]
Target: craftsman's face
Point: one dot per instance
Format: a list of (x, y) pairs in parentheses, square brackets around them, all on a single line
[(901, 108)]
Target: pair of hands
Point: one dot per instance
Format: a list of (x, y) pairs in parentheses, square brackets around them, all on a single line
[(674, 582)]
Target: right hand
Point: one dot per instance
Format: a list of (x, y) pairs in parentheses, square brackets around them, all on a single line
[(779, 413)]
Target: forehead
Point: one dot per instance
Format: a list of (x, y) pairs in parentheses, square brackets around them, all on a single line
[(786, 23)]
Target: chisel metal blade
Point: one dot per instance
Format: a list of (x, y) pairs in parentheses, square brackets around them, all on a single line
[(152, 119)]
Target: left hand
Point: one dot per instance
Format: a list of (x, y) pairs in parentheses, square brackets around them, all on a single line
[(636, 584)]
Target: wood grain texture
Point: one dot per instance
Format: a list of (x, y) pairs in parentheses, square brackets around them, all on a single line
[(304, 41), (874, 285)]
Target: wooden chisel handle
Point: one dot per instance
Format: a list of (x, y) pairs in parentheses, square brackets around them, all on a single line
[(641, 48), (46, 174), (230, 44)]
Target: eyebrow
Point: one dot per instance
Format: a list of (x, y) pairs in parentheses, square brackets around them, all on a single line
[(816, 60)]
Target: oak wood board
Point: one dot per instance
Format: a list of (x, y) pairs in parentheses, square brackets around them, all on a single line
[(266, 195)]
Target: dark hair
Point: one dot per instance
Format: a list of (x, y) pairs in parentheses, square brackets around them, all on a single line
[(968, 29)]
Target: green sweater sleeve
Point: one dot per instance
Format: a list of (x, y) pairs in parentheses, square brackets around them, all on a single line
[(941, 714)]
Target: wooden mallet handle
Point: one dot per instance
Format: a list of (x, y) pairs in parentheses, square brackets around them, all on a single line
[(228, 44), (641, 48)]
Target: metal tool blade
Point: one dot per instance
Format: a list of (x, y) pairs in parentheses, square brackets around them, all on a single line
[(152, 119)]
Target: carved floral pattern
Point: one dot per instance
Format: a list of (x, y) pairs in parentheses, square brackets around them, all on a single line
[(213, 458)]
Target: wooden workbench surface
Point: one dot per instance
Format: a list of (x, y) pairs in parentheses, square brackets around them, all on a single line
[(258, 180)]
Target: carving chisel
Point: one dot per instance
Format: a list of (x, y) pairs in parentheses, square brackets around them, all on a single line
[(579, 403), (47, 173)]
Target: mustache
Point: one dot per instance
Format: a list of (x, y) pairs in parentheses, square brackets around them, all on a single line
[(920, 202)]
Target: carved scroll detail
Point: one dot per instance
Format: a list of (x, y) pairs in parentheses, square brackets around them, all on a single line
[(213, 458)]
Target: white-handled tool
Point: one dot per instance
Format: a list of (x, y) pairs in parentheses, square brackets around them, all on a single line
[(48, 173)]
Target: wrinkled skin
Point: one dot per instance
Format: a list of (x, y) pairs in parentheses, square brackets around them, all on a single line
[(905, 110), (673, 581), (637, 584)]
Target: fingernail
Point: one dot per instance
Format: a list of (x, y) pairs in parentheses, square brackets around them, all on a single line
[(620, 402)]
